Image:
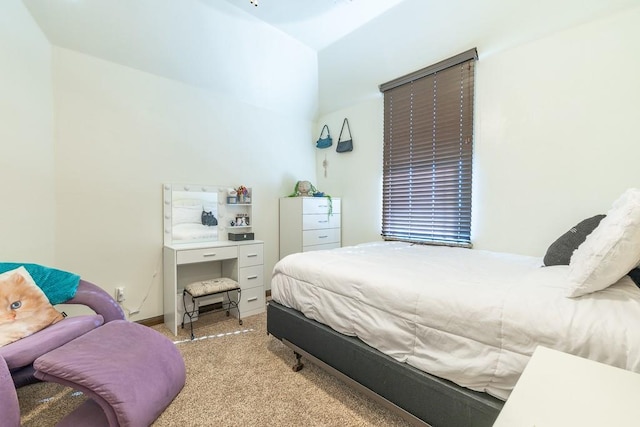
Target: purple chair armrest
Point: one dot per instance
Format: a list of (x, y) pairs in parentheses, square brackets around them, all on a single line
[(9, 406), (98, 300)]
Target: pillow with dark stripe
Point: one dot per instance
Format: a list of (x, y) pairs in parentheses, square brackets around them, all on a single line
[(635, 275), (560, 251)]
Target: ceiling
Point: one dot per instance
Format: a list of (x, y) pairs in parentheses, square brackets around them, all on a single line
[(316, 23), (181, 40)]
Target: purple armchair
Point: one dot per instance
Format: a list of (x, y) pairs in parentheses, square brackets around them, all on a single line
[(131, 389), (20, 355), (9, 408)]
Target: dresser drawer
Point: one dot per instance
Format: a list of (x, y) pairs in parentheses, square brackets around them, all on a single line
[(321, 247), (250, 277), (250, 255), (320, 237), (319, 205), (252, 301), (318, 221), (204, 255)]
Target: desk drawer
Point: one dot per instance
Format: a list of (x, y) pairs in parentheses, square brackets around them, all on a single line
[(250, 277), (252, 301), (320, 237), (205, 255), (318, 221), (251, 255)]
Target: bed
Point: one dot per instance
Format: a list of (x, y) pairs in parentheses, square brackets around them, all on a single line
[(442, 334)]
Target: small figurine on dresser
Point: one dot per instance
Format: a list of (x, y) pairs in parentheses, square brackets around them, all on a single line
[(306, 189)]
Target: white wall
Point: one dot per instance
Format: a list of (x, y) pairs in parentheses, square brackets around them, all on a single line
[(93, 179), (209, 44), (121, 133), (27, 186), (557, 138), (555, 134), (355, 176)]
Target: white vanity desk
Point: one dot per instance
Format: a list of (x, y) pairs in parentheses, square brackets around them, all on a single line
[(199, 251), (241, 261)]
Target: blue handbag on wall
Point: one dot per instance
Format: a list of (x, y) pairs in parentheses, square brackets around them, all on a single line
[(325, 142)]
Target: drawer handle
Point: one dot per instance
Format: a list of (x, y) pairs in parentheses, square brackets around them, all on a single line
[(322, 237), (323, 206), (252, 255), (210, 254), (252, 299), (322, 222), (252, 277)]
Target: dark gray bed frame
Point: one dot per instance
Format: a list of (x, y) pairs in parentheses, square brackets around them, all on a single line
[(418, 397)]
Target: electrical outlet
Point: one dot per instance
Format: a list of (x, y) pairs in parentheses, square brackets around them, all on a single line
[(120, 294)]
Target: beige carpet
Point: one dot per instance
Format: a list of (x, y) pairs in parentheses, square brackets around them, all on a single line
[(236, 376)]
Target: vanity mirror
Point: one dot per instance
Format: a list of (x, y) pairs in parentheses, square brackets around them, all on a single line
[(201, 213), (191, 213)]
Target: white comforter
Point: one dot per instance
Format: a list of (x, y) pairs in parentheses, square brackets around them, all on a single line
[(473, 317)]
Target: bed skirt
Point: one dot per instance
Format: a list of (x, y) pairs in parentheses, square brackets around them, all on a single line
[(433, 400)]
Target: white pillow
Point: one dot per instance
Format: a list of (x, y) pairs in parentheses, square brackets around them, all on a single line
[(187, 214), (610, 251)]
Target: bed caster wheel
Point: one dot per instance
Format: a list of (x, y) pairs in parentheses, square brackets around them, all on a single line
[(299, 365), (240, 321), (227, 313)]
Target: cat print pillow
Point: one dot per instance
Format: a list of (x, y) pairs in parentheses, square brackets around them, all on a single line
[(24, 308)]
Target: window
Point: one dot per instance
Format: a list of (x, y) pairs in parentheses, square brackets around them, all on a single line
[(428, 149)]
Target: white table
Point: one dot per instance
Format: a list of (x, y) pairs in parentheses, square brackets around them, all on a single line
[(561, 390)]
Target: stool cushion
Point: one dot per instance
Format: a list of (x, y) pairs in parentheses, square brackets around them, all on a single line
[(130, 370), (213, 286)]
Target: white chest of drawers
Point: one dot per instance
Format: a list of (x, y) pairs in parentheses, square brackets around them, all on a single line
[(306, 224)]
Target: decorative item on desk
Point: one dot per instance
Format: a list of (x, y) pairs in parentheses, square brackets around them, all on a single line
[(208, 219), (325, 142), (241, 236), (346, 145), (232, 196), (243, 194)]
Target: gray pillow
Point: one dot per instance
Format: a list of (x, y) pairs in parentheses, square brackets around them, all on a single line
[(635, 276), (560, 251)]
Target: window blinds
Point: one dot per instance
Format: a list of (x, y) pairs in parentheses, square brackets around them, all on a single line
[(428, 149)]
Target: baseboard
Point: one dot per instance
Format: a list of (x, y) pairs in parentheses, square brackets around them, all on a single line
[(151, 321)]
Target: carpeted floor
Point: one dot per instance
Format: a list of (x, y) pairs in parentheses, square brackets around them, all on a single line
[(236, 376)]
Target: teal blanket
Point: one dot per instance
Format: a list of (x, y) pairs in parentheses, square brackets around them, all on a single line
[(59, 286)]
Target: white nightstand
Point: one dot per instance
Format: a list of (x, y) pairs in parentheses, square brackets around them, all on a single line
[(561, 390)]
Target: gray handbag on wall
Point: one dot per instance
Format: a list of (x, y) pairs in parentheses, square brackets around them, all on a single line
[(346, 145)]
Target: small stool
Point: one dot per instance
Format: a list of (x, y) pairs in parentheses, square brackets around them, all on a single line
[(130, 373), (208, 288)]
